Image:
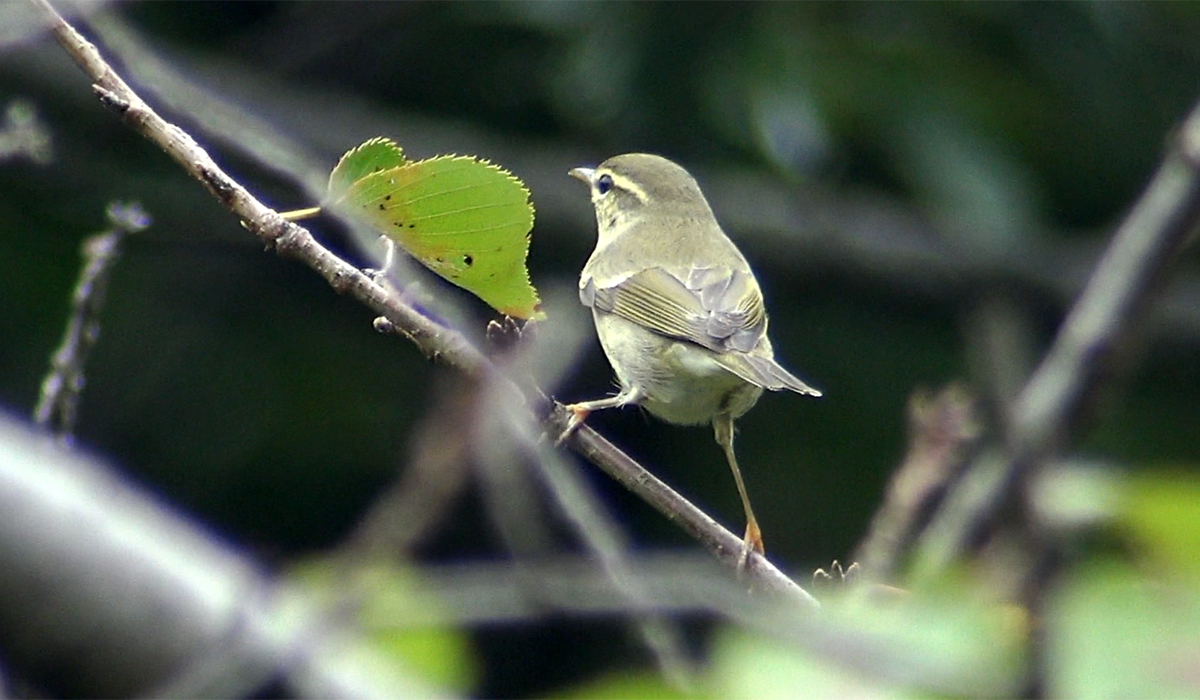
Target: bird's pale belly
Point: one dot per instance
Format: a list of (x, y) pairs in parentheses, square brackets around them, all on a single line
[(680, 381)]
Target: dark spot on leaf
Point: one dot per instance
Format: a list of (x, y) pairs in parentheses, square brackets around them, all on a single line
[(412, 225), (441, 260), (468, 260), (398, 224), (381, 206), (387, 197)]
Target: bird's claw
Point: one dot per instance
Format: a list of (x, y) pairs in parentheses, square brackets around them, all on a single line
[(578, 415), (751, 542)]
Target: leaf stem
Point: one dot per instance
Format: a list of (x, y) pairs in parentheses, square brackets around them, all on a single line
[(298, 214)]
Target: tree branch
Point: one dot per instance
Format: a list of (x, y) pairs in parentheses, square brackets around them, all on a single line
[(943, 431), (865, 235), (1088, 351), (435, 340), (108, 592), (58, 405)]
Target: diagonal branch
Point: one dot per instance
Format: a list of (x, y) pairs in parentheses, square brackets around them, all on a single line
[(1089, 350), (435, 340), (108, 591)]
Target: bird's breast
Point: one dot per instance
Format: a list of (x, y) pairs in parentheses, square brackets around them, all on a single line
[(681, 381)]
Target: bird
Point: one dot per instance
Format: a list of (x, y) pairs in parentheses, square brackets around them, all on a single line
[(677, 309)]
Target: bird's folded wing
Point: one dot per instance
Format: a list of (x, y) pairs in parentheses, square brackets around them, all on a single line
[(764, 372), (718, 309)]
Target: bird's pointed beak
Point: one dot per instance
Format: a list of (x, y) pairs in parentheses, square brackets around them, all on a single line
[(582, 174)]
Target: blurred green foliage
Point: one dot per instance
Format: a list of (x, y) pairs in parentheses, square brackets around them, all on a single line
[(387, 602)]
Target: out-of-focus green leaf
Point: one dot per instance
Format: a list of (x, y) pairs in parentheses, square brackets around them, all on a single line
[(1115, 634), (630, 686), (1078, 495), (1163, 513), (948, 642), (746, 666), (398, 619), (397, 616)]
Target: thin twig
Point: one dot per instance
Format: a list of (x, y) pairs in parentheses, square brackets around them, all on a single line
[(725, 545), (943, 429), (603, 538), (58, 407), (435, 340), (1087, 353), (434, 476)]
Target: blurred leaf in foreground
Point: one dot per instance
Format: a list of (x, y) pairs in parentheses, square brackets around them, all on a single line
[(947, 642), (397, 619), (629, 686), (1113, 633), (1162, 513)]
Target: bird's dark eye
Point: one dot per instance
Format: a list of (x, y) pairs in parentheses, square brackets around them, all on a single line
[(604, 183)]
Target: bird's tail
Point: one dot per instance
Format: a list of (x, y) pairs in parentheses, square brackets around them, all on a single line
[(764, 372)]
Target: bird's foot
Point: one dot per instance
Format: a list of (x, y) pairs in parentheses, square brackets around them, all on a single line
[(751, 542), (579, 414)]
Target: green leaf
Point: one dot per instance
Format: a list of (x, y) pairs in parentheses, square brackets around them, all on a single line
[(1114, 633), (748, 666), (1162, 511), (628, 686), (371, 156), (948, 642), (399, 619), (406, 623), (465, 219)]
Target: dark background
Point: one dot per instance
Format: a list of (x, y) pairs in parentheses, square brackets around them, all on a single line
[(887, 168)]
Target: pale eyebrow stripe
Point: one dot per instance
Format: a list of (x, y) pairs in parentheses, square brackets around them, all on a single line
[(631, 186)]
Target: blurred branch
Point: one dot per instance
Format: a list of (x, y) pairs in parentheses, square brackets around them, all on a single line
[(108, 592), (214, 115), (725, 545), (603, 539), (943, 430), (435, 340), (121, 596), (435, 474), (1091, 348), (487, 593), (59, 403)]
